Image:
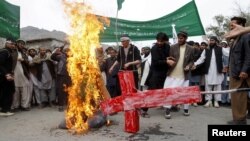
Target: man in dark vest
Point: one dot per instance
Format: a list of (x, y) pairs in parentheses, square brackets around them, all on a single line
[(7, 86), (212, 57), (128, 58)]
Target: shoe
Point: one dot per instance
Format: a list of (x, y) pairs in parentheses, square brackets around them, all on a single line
[(237, 122), (10, 114), (175, 108), (208, 104), (186, 113), (51, 104), (60, 109), (216, 104), (40, 106), (145, 115), (167, 114), (15, 110), (6, 114), (248, 115), (25, 109), (195, 104)]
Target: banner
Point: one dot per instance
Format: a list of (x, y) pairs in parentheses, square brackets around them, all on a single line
[(9, 20), (185, 18)]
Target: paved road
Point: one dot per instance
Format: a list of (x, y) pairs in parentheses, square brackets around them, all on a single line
[(41, 125)]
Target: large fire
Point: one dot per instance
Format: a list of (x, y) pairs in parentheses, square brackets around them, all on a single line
[(87, 89)]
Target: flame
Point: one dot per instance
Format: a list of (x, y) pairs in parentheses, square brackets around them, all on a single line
[(87, 89)]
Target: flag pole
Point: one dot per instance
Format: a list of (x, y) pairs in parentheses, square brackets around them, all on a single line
[(226, 91), (116, 28), (174, 33)]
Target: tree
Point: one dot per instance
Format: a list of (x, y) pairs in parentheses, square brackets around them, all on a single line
[(220, 28), (222, 22), (243, 13)]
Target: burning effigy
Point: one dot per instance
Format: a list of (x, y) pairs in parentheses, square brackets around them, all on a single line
[(87, 89)]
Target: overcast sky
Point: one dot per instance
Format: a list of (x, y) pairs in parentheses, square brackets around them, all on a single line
[(49, 14)]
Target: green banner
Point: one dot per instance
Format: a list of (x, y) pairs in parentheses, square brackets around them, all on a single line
[(185, 18), (9, 20)]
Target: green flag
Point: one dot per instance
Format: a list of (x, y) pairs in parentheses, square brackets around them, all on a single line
[(119, 4), (185, 18), (9, 20)]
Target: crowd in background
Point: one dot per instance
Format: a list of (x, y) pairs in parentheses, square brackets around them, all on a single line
[(33, 77)]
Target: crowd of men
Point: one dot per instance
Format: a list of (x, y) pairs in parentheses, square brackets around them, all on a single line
[(28, 76), (31, 77), (210, 65)]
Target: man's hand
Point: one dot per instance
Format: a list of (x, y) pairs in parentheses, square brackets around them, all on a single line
[(243, 75), (20, 59), (171, 61), (187, 68), (193, 67), (57, 51), (238, 29), (126, 65), (225, 70), (110, 70), (9, 77)]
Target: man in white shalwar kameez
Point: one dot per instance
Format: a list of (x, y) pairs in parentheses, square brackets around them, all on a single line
[(145, 68), (21, 98), (45, 76), (212, 57), (33, 71), (146, 61)]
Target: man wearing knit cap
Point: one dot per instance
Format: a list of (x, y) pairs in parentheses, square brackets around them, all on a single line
[(124, 37), (21, 41), (214, 38), (212, 59), (177, 75), (225, 98), (32, 52), (182, 33), (128, 57), (23, 92)]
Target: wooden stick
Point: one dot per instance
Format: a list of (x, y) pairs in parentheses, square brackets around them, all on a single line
[(226, 91)]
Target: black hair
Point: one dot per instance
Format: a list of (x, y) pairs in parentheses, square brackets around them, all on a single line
[(48, 50), (204, 43), (146, 48), (239, 20), (161, 36), (191, 43), (11, 40), (183, 33), (197, 43)]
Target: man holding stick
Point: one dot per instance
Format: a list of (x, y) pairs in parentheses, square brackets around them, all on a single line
[(239, 70)]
